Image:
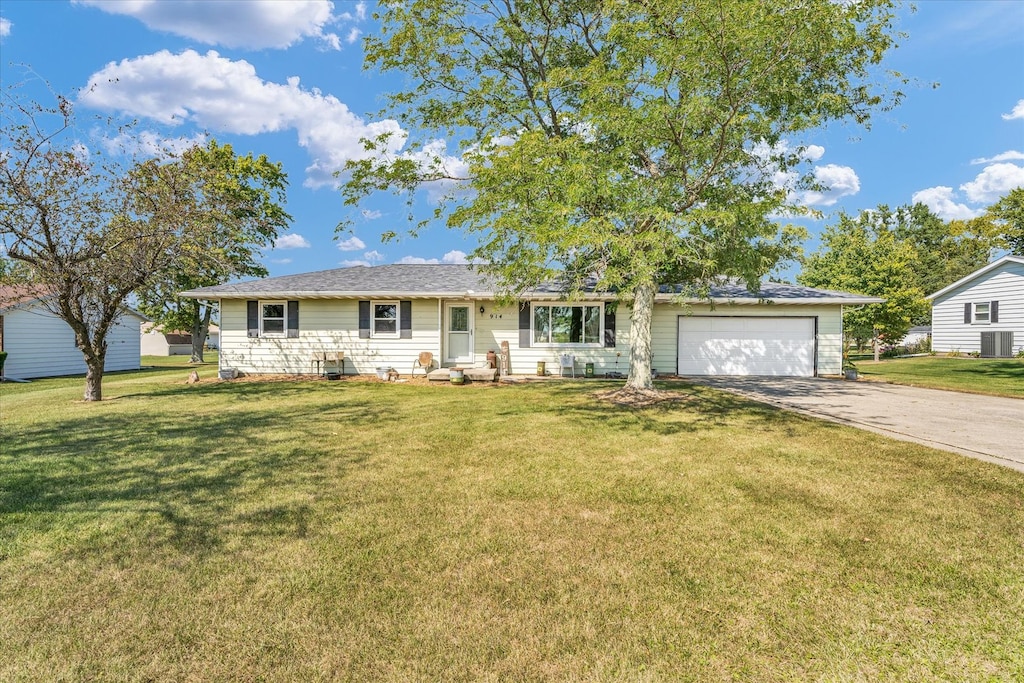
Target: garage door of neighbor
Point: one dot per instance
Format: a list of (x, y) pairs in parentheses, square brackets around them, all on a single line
[(729, 345)]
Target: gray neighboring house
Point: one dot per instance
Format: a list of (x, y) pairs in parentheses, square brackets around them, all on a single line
[(983, 312), (39, 344), (156, 342), (384, 316)]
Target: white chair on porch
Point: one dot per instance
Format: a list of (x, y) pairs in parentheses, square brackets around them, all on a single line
[(567, 361)]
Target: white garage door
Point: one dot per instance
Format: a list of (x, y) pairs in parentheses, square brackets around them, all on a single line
[(746, 346)]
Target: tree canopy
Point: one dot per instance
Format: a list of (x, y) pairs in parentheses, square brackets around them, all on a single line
[(623, 143), (900, 254), (95, 226), (1008, 212), (237, 207)]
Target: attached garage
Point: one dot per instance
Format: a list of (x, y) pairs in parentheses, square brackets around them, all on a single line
[(747, 345)]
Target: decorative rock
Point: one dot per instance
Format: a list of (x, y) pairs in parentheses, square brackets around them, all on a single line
[(193, 377)]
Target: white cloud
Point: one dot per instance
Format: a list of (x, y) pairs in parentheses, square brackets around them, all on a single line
[(5, 27), (353, 264), (942, 201), (838, 181), (1017, 112), (453, 256), (352, 244), (373, 256), (1011, 155), (353, 35), (358, 15), (371, 215), (994, 182), (281, 261), (254, 24), (291, 241), (224, 95)]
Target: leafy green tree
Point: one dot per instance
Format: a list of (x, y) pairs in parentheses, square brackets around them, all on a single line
[(92, 227), (237, 209), (634, 142), (900, 254), (1008, 212)]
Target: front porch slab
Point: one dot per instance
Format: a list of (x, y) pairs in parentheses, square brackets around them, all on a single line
[(472, 374)]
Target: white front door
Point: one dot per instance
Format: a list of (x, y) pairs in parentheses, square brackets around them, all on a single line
[(458, 333)]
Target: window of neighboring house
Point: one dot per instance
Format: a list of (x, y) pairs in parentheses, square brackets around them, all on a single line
[(981, 313), (385, 318), (272, 317), (561, 324)]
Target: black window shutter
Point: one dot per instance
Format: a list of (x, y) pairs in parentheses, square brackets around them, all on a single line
[(253, 317), (609, 326), (967, 313), (364, 319), (293, 318), (405, 319), (993, 311), (524, 325)]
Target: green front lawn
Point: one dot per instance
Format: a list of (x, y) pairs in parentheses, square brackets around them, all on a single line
[(353, 530), (994, 376)]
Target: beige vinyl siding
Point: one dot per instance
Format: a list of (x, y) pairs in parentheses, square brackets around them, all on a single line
[(39, 344), (324, 325), (1005, 285)]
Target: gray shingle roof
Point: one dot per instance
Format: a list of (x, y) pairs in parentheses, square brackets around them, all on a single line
[(450, 280)]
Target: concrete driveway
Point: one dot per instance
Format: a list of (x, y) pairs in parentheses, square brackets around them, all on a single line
[(984, 427)]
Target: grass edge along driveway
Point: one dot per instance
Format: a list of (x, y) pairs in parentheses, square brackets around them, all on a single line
[(307, 530), (990, 376)]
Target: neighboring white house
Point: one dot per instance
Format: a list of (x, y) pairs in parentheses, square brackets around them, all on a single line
[(983, 312), (156, 342), (386, 315), (39, 344)]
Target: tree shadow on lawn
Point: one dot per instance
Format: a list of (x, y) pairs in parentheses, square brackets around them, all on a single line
[(698, 409), (191, 470)]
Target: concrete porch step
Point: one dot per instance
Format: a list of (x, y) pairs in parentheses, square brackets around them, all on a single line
[(472, 374)]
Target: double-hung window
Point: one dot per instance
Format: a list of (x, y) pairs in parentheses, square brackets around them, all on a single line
[(385, 318), (567, 324), (982, 312), (272, 317)]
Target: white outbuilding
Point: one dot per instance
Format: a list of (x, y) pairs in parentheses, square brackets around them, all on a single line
[(39, 344)]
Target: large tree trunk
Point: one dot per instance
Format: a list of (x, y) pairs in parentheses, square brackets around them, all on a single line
[(640, 338), (200, 331), (94, 377)]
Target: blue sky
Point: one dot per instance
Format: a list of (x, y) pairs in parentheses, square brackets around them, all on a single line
[(285, 79)]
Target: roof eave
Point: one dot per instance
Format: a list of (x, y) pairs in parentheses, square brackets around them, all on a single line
[(1010, 258)]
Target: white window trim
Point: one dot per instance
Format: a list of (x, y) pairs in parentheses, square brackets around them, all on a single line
[(284, 318), (373, 320), (988, 313), (566, 345)]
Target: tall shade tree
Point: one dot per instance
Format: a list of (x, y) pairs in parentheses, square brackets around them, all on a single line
[(237, 211), (863, 255), (900, 254), (1008, 213), (618, 143), (92, 227)]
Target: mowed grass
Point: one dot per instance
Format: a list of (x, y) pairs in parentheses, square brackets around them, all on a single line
[(992, 376), (314, 530)]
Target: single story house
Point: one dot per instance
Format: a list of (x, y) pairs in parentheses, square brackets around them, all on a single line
[(39, 344), (156, 342), (983, 312), (387, 315)]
